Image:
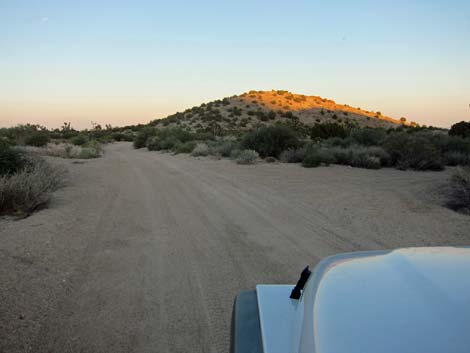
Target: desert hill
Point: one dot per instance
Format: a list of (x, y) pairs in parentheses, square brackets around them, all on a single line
[(248, 110)]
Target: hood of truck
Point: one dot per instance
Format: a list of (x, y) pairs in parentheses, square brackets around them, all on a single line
[(407, 300)]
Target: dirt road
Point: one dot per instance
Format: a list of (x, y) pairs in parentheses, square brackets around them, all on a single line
[(144, 252)]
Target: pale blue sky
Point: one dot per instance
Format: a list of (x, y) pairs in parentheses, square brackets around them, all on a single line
[(124, 62)]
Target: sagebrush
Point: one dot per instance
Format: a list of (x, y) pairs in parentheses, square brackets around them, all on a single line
[(459, 191), (28, 189)]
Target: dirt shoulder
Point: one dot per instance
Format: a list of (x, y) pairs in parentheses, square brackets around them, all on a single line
[(144, 252)]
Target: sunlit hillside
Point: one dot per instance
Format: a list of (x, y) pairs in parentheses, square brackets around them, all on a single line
[(247, 110)]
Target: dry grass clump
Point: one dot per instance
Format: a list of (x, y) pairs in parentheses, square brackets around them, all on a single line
[(29, 188), (200, 150), (459, 190), (66, 150), (293, 155), (247, 157)]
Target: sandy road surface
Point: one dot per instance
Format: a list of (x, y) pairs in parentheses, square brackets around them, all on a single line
[(144, 252)]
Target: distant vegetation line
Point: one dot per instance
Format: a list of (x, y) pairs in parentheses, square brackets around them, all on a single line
[(310, 130)]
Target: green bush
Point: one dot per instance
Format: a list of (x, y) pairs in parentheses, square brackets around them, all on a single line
[(176, 133), (11, 160), (368, 136), (272, 115), (326, 156), (270, 141), (79, 140), (415, 152), (226, 148), (361, 156), (327, 130), (202, 136), (247, 157), (446, 143), (171, 138), (143, 135), (316, 155), (459, 190), (455, 158), (338, 141), (312, 159), (153, 143), (169, 142), (37, 139), (123, 136), (186, 147), (235, 153)]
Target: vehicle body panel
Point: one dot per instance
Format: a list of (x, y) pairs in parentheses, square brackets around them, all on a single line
[(246, 332), (277, 316), (407, 300)]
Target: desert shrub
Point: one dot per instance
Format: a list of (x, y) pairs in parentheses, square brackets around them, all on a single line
[(461, 129), (396, 145), (293, 155), (142, 136), (415, 152), (327, 130), (381, 154), (316, 155), (446, 143), (11, 160), (201, 149), (120, 136), (457, 144), (459, 190), (97, 146), (361, 156), (186, 147), (30, 187), (270, 160), (235, 153), (247, 157), (270, 141), (455, 158), (312, 159), (89, 152), (342, 155), (153, 143), (37, 139), (364, 160), (226, 148), (176, 133), (203, 136), (368, 136), (91, 149), (288, 114), (79, 140), (168, 139), (338, 141), (168, 143), (326, 156)]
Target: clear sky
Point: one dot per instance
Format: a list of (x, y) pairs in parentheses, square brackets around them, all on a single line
[(125, 62)]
